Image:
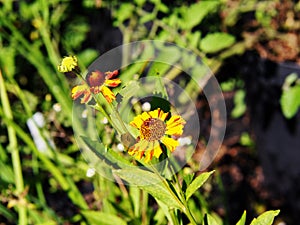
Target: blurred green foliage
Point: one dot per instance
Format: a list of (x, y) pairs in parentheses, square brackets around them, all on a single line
[(33, 34)]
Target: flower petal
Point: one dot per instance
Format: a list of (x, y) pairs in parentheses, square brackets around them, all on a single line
[(78, 90), (175, 125), (157, 149), (113, 82), (67, 64), (170, 143), (112, 74), (108, 94)]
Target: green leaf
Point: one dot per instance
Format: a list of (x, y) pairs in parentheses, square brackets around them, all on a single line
[(194, 14), (290, 101), (289, 80), (197, 183), (239, 104), (215, 42), (210, 220), (97, 217), (123, 13), (266, 218), (167, 57), (242, 221), (108, 156), (7, 174), (150, 183)]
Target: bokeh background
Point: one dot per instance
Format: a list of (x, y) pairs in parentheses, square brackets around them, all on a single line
[(252, 47)]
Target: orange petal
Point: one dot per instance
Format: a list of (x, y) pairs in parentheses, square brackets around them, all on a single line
[(113, 82), (110, 75), (78, 90), (108, 94)]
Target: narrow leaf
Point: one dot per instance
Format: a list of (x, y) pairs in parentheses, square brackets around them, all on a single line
[(96, 217), (210, 220), (197, 183), (150, 183), (242, 221), (109, 157), (266, 218)]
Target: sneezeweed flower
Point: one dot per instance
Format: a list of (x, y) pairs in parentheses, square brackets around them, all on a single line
[(97, 82), (155, 129), (68, 64)]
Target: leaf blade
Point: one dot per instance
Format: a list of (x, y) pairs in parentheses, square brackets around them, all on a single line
[(150, 183), (197, 183)]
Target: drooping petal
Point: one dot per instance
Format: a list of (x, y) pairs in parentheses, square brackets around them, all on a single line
[(170, 143), (113, 82), (78, 90), (110, 75), (157, 149), (108, 94), (86, 97), (138, 149)]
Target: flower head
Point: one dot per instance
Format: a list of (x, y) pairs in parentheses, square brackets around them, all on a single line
[(97, 82), (155, 129), (68, 64)]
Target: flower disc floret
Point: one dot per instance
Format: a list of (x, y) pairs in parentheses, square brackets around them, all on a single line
[(156, 128), (68, 64)]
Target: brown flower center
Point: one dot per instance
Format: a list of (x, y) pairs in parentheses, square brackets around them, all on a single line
[(95, 78), (153, 129)]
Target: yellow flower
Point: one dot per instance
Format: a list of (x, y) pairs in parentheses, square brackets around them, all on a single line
[(155, 129), (68, 64), (97, 82)]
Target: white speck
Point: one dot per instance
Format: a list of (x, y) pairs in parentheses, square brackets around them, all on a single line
[(39, 119), (134, 101), (185, 141), (90, 172), (281, 223), (120, 147), (57, 107), (104, 120), (146, 106), (84, 114)]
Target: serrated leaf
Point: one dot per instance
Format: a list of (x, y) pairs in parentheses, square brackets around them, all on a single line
[(242, 220), (266, 218), (215, 42), (150, 183), (290, 102), (197, 183), (97, 217)]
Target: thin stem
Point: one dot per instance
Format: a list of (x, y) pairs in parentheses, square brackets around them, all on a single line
[(13, 143), (174, 217), (186, 210), (65, 183)]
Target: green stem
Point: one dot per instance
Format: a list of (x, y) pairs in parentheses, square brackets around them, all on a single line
[(183, 207), (17, 168), (186, 210), (174, 217), (65, 183)]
